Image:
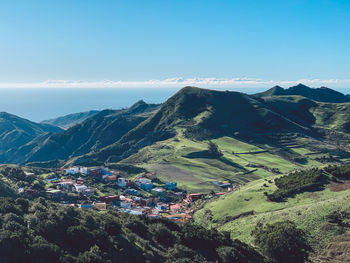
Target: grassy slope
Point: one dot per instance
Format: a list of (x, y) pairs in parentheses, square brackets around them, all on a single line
[(320, 114), (275, 132), (308, 210), (170, 159), (285, 151)]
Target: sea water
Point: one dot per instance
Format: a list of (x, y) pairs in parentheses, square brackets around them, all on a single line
[(39, 104)]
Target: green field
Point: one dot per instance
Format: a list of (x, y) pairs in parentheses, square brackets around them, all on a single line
[(308, 210), (183, 160)]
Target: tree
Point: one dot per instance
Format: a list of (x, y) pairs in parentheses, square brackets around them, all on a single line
[(163, 235), (239, 252), (94, 255), (213, 149), (282, 242)]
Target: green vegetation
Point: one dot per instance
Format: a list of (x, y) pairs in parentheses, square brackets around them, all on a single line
[(257, 138), (15, 177), (70, 120), (341, 172), (96, 132), (323, 214), (297, 182), (41, 231), (319, 94), (213, 150), (16, 131), (269, 144), (282, 242)]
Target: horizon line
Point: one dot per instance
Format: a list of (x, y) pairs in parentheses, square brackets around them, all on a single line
[(178, 82)]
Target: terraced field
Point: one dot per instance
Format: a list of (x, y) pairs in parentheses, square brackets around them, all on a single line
[(185, 161)]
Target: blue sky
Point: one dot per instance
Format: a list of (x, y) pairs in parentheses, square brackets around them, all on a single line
[(89, 41)]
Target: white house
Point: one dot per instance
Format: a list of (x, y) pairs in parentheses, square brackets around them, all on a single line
[(80, 188), (72, 170), (83, 170), (124, 204)]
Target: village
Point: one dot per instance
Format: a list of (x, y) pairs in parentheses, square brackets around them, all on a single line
[(142, 195)]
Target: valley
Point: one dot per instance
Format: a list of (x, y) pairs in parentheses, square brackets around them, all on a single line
[(224, 151)]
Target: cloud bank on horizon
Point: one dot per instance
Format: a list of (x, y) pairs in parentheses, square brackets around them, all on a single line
[(182, 82)]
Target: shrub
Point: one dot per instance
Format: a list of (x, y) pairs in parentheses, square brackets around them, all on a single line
[(213, 149), (282, 242), (297, 182), (163, 235), (238, 252)]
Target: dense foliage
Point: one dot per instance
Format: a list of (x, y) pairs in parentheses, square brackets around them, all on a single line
[(282, 242), (341, 172), (41, 231), (297, 182), (17, 177), (214, 150)]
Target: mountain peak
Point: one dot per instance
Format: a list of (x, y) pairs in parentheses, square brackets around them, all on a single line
[(139, 102), (300, 86), (322, 94), (138, 106)]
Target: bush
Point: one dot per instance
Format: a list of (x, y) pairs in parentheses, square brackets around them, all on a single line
[(213, 149), (94, 255), (162, 235), (79, 237), (138, 228), (239, 252), (297, 182), (341, 172), (282, 242), (112, 227), (182, 254)]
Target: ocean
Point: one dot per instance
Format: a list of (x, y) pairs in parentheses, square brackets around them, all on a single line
[(38, 104)]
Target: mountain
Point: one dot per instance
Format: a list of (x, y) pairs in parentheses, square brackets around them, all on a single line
[(257, 137), (322, 94), (307, 112), (16, 131), (70, 120), (201, 114), (97, 131)]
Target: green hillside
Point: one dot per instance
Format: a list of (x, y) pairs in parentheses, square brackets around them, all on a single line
[(240, 211), (258, 137), (322, 94), (203, 114), (99, 130), (16, 131), (70, 120)]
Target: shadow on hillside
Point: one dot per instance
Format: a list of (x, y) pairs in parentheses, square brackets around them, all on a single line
[(206, 155)]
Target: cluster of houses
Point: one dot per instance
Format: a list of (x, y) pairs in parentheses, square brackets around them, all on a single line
[(144, 195), (101, 173)]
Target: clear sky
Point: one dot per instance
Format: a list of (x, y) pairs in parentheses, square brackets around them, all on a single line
[(132, 41)]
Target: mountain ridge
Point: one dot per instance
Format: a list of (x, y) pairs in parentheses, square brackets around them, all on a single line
[(183, 109), (322, 94), (98, 130), (70, 120), (16, 131)]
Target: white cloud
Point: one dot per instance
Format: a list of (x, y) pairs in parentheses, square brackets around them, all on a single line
[(179, 82)]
